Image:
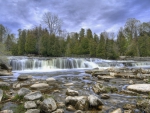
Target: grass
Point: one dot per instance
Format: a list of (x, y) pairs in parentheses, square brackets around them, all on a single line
[(18, 98), (5, 97), (4, 87), (19, 109)]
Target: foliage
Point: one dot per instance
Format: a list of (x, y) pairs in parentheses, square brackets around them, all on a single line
[(19, 109), (18, 98)]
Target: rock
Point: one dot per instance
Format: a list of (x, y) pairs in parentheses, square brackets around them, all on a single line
[(142, 88), (105, 96), (117, 111), (94, 101), (24, 77), (33, 111), (51, 79), (30, 104), (88, 71), (129, 92), (146, 80), (70, 108), (129, 106), (79, 111), (72, 92), (69, 84), (60, 105), (100, 73), (5, 73), (105, 78), (128, 111), (23, 91), (59, 111), (1, 94), (33, 95), (6, 111), (39, 86), (20, 84), (143, 104), (82, 103), (98, 88), (48, 105), (4, 84), (77, 102)]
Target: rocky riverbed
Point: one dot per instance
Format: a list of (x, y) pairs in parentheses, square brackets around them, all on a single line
[(112, 90)]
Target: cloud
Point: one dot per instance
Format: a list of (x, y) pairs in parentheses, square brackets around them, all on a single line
[(99, 15)]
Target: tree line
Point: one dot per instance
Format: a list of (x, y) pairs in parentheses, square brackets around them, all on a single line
[(133, 39)]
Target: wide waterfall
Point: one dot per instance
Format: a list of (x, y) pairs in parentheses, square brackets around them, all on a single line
[(25, 63)]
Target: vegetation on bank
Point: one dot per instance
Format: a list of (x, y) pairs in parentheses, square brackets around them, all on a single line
[(132, 40)]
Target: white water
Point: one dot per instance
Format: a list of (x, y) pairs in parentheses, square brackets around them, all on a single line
[(38, 64)]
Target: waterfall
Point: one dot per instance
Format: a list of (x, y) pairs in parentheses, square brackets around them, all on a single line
[(25, 63)]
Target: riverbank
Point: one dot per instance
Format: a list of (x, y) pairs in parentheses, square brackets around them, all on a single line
[(92, 91)]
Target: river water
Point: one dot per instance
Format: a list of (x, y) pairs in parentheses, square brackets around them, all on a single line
[(70, 73)]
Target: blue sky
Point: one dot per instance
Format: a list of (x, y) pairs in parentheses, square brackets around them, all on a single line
[(98, 15)]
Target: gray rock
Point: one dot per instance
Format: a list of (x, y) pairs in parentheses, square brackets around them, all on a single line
[(30, 104), (39, 86), (33, 95), (33, 111), (24, 77), (117, 111), (4, 84), (94, 101), (72, 92), (23, 91), (105, 96), (59, 111), (6, 111), (1, 94), (70, 108), (79, 111), (51, 80), (48, 105)]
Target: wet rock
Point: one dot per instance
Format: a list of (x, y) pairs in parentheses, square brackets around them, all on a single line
[(60, 105), (98, 88), (70, 108), (143, 105), (30, 104), (117, 111), (100, 73), (88, 71), (82, 103), (72, 92), (33, 95), (129, 92), (24, 77), (20, 84), (128, 111), (129, 106), (5, 73), (69, 84), (1, 94), (94, 101), (105, 78), (146, 80), (50, 80), (105, 96), (4, 84), (39, 86), (59, 111), (6, 111), (33, 111), (48, 105), (131, 82), (79, 111), (142, 88), (23, 91)]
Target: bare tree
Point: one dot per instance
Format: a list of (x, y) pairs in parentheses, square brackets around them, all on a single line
[(53, 22)]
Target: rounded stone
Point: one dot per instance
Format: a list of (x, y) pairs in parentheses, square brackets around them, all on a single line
[(143, 88)]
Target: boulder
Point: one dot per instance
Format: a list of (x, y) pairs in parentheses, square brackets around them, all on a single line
[(30, 104), (105, 96), (72, 92), (1, 94), (94, 101), (117, 111), (6, 111), (141, 88), (77, 102), (33, 95), (50, 80), (23, 91), (70, 108), (33, 111), (129, 106), (105, 78), (24, 77), (5, 73), (4, 84), (48, 105), (59, 111), (39, 86), (79, 111)]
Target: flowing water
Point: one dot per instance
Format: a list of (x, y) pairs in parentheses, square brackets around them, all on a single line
[(72, 71)]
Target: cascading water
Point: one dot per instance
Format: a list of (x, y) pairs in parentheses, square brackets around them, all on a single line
[(49, 64)]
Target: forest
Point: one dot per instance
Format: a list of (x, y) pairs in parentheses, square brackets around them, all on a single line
[(132, 39)]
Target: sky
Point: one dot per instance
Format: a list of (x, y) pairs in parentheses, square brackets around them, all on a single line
[(98, 15)]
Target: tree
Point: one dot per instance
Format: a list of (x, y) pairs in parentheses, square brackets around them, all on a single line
[(53, 22), (89, 34), (9, 43), (2, 32)]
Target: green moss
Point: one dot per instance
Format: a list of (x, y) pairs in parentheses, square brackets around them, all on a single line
[(4, 87), (19, 109), (5, 97), (18, 98)]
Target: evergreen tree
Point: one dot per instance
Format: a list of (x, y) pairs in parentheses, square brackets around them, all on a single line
[(89, 34)]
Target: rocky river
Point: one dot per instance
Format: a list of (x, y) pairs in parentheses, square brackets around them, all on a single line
[(82, 89)]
